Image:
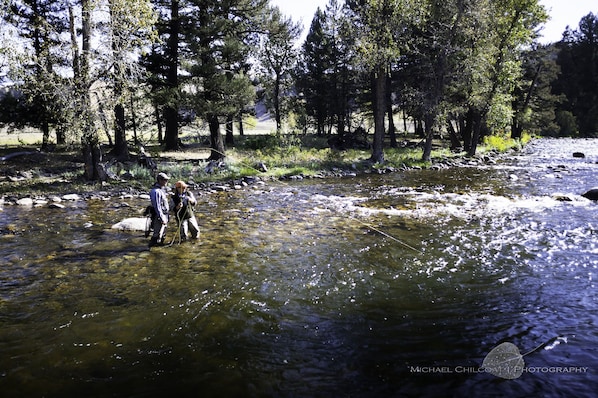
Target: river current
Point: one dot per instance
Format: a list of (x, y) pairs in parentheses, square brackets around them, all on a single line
[(396, 285)]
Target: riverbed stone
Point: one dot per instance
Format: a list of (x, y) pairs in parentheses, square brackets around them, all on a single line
[(562, 197), (591, 194), (131, 224), (72, 197), (25, 202)]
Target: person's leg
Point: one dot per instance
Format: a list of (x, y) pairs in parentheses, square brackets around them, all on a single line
[(159, 233), (184, 229), (193, 228)]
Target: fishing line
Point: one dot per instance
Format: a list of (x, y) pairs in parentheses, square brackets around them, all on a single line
[(387, 235)]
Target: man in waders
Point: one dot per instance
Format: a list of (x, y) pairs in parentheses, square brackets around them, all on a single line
[(159, 200), (183, 210)]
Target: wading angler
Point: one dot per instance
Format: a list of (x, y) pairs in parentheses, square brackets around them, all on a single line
[(160, 206), (184, 201)]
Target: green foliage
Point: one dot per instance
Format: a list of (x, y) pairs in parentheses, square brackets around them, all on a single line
[(261, 142), (578, 80), (409, 157), (502, 143), (141, 174), (500, 115), (278, 56), (567, 123)]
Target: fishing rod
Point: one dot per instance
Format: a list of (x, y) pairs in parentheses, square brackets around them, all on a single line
[(180, 219), (179, 222)]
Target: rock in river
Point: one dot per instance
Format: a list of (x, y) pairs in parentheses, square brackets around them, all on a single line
[(591, 194), (132, 224)]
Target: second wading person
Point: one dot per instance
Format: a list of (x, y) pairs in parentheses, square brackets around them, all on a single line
[(183, 210)]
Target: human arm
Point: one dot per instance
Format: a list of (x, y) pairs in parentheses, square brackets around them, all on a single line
[(191, 199)]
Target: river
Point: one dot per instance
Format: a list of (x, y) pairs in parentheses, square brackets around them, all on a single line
[(398, 285)]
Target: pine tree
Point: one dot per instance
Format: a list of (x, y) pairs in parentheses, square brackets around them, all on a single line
[(313, 74), (578, 81), (40, 24), (222, 35), (278, 58)]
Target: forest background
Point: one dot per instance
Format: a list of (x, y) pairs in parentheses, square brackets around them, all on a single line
[(115, 80)]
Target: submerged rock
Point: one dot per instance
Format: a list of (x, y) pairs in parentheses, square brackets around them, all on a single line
[(132, 224), (591, 194)]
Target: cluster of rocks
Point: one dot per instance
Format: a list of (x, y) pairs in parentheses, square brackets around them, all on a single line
[(52, 201), (59, 201)]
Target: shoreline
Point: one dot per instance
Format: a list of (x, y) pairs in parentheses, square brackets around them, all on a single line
[(106, 191)]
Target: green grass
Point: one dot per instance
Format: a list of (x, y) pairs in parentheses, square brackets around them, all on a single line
[(284, 156)]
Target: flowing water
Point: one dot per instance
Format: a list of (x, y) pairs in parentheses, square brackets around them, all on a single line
[(377, 286)]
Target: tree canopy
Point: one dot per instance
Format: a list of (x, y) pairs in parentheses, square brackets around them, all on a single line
[(458, 68)]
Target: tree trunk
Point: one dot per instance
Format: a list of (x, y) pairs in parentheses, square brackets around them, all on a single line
[(516, 129), (134, 121), (391, 123), (60, 136), (453, 135), (241, 129), (277, 111), (121, 151), (171, 139), (159, 124), (45, 135), (104, 120), (92, 154), (379, 112), (419, 128), (230, 140), (467, 129), (477, 128), (429, 134), (216, 142), (92, 158), (120, 138)]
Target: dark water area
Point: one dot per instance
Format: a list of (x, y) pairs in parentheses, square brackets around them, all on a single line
[(397, 285)]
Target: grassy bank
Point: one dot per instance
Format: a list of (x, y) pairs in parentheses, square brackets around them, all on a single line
[(266, 156)]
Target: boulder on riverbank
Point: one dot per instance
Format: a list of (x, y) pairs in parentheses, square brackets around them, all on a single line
[(132, 224), (591, 194)]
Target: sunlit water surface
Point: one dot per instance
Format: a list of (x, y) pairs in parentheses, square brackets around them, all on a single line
[(396, 285)]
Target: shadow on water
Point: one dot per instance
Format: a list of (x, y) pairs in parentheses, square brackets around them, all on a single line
[(293, 291)]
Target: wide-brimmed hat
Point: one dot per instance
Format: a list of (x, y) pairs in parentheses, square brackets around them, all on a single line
[(163, 176)]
